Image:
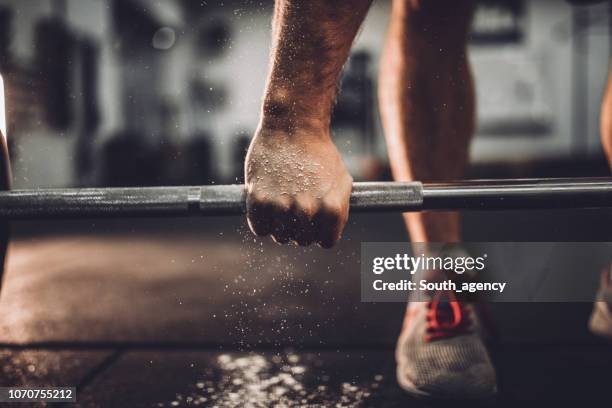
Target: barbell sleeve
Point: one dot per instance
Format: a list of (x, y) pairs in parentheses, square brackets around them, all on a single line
[(39, 204)]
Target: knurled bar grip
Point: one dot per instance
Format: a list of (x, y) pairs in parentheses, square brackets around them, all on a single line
[(370, 196)]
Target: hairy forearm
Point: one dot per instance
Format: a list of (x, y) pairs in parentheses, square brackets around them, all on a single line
[(311, 41)]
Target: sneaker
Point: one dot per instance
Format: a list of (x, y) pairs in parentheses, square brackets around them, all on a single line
[(601, 318), (441, 353)]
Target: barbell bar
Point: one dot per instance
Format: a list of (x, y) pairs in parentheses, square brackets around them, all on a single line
[(213, 200)]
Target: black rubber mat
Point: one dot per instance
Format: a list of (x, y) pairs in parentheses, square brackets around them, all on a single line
[(140, 313)]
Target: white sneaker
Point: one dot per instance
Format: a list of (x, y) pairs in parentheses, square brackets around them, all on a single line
[(440, 352), (601, 318)]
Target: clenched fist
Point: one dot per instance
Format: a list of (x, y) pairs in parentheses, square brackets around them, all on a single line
[(298, 188)]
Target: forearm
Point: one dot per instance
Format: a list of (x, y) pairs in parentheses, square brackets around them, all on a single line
[(311, 42)]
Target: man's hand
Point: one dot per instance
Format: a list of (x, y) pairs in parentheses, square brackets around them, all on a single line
[(298, 188)]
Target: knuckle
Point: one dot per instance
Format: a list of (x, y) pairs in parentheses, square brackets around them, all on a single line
[(283, 205), (307, 208), (331, 206), (256, 196)]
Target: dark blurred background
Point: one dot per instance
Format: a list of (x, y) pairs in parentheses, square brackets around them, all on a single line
[(138, 92)]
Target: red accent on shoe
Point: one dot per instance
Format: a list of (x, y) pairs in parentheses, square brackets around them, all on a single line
[(446, 319)]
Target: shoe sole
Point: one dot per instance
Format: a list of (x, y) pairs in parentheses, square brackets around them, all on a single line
[(420, 394)]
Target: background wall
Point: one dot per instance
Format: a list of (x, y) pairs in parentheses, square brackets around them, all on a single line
[(183, 82)]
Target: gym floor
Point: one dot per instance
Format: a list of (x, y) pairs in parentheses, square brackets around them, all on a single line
[(198, 312)]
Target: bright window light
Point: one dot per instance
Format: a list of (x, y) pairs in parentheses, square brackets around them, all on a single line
[(2, 111)]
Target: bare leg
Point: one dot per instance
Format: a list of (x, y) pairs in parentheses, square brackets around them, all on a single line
[(427, 102), (600, 322), (606, 120), (427, 105)]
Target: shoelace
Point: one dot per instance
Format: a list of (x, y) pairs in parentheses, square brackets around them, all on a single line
[(447, 318)]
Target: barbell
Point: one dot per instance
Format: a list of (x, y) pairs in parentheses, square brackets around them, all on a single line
[(215, 200), (38, 204)]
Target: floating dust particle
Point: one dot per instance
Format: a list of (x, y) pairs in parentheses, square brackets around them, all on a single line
[(255, 381)]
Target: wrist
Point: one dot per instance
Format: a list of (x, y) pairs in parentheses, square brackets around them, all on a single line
[(273, 133), (290, 112)]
